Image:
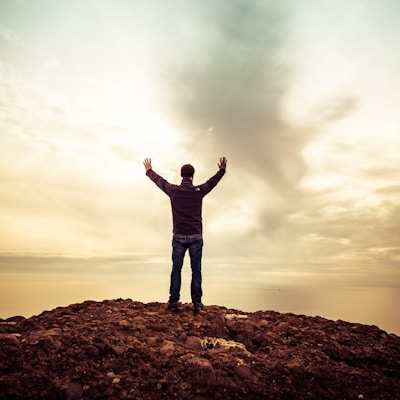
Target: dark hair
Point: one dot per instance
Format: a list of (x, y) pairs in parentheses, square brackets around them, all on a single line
[(187, 171)]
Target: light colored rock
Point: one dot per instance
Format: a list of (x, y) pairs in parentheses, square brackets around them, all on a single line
[(231, 317), (223, 344)]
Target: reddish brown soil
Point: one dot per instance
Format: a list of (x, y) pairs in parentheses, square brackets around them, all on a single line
[(122, 349)]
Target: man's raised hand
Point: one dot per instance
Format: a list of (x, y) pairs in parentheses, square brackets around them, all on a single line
[(147, 164), (222, 163)]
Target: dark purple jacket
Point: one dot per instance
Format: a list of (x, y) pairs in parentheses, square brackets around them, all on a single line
[(186, 201)]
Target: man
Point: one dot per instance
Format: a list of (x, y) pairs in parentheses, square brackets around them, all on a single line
[(186, 202)]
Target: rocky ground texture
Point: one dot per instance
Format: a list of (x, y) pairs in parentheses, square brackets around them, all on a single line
[(122, 349)]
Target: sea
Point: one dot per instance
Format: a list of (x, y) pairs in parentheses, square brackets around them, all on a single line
[(30, 291)]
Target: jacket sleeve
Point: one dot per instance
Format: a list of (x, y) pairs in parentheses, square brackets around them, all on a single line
[(212, 182), (163, 184)]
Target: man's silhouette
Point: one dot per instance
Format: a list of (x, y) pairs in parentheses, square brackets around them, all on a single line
[(186, 202)]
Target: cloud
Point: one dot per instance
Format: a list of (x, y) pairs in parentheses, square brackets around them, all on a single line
[(230, 95), (228, 80), (237, 87), (67, 181), (336, 108), (52, 63), (9, 35)]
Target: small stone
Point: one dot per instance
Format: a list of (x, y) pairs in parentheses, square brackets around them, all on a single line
[(92, 351), (48, 343), (168, 348), (193, 342), (244, 372), (53, 332), (231, 317), (124, 323), (200, 370), (42, 356), (74, 391)]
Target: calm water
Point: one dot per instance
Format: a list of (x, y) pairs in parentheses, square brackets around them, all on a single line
[(27, 294)]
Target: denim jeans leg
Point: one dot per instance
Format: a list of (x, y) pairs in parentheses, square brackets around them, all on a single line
[(178, 254), (195, 252)]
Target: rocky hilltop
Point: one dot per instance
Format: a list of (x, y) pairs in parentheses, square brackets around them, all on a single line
[(122, 349)]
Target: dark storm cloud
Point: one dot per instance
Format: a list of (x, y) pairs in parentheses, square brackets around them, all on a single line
[(237, 87)]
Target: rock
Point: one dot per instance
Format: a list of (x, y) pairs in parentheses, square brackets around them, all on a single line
[(125, 324), (231, 317), (7, 339), (92, 351), (193, 342), (73, 391), (11, 356), (52, 332), (121, 349), (168, 348), (244, 372), (200, 370)]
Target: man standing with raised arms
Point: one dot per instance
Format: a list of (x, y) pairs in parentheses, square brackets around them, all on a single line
[(186, 203)]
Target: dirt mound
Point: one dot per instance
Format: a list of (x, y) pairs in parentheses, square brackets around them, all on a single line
[(121, 349)]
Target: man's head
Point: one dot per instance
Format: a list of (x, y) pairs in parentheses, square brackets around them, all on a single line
[(187, 171)]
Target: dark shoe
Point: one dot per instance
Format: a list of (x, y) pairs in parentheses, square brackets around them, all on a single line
[(197, 306), (173, 306)]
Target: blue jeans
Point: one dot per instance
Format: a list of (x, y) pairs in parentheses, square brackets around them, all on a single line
[(180, 243)]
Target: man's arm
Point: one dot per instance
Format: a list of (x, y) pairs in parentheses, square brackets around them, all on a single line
[(163, 184)]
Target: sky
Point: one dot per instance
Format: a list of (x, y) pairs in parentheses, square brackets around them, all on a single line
[(300, 97)]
